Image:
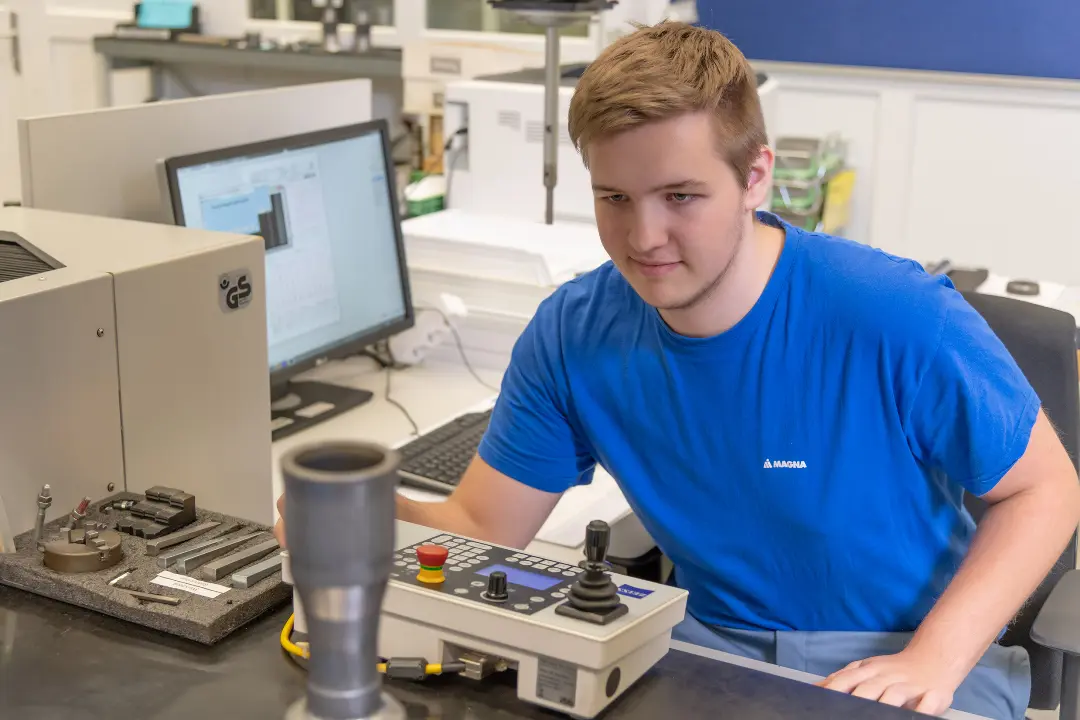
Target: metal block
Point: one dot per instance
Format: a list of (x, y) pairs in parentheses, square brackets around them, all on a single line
[(187, 563), (154, 547), (220, 568), (249, 576), (169, 558)]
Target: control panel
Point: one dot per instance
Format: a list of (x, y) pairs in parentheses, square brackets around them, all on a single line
[(577, 635), (474, 571)]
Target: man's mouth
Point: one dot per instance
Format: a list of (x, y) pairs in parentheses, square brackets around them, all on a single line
[(654, 268)]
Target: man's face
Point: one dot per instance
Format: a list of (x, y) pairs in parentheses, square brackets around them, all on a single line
[(670, 211)]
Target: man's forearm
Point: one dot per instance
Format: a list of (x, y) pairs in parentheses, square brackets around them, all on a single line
[(446, 515), (1016, 544)]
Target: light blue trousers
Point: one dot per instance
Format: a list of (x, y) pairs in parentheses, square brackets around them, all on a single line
[(998, 687)]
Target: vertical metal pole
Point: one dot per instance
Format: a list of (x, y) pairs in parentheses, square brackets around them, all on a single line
[(551, 120)]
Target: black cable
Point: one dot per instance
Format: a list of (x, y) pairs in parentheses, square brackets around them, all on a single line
[(460, 346), (449, 158), (389, 365)]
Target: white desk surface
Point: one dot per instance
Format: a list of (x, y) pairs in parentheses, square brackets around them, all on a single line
[(433, 393)]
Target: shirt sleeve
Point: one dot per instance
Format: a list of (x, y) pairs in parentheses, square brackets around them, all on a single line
[(531, 437), (974, 410)]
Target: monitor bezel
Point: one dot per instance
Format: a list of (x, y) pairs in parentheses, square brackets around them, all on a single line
[(355, 344)]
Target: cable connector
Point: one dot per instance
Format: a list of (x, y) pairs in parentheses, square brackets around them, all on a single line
[(416, 669), (407, 668)]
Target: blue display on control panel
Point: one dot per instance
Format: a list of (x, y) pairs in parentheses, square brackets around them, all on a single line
[(517, 576), (631, 591)]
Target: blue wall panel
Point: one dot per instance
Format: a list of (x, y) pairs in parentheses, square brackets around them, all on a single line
[(1036, 38)]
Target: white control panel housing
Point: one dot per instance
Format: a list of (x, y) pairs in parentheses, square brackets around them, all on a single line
[(563, 663)]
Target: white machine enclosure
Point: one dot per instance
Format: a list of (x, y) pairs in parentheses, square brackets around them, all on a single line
[(124, 369), (498, 168), (562, 663)]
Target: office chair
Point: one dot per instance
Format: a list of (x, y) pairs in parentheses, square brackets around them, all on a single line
[(1043, 343)]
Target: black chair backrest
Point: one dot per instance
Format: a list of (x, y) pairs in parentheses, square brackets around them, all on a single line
[(1043, 343)]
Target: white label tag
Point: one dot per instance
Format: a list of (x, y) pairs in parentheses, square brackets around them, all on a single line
[(191, 585)]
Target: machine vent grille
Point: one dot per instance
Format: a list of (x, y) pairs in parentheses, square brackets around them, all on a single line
[(534, 133), (509, 119), (17, 261)]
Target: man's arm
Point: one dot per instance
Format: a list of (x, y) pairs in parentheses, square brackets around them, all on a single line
[(486, 505), (1034, 510)]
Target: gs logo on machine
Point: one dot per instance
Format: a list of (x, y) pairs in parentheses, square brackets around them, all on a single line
[(234, 290)]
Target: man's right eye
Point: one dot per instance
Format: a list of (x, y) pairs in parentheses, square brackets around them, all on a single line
[(614, 198)]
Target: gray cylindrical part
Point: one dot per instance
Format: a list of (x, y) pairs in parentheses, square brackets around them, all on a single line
[(339, 525)]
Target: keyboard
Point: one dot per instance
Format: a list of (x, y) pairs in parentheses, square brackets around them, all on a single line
[(437, 460)]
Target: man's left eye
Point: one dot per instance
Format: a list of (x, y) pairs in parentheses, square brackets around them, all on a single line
[(681, 197)]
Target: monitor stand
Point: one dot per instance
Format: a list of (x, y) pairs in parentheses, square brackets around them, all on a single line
[(295, 406)]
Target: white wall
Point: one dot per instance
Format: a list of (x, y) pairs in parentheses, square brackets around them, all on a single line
[(9, 107), (981, 170)]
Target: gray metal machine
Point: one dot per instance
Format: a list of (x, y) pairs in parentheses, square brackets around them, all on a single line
[(131, 358)]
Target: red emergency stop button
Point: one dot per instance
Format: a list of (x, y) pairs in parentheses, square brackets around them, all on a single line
[(431, 559)]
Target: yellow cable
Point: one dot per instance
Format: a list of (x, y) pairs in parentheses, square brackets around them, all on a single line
[(287, 643), (303, 652)]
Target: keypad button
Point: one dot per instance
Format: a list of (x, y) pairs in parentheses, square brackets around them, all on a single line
[(409, 551), (535, 560), (401, 563), (442, 539), (521, 606), (544, 563), (536, 599), (414, 566), (569, 573), (526, 562), (451, 561), (483, 558), (394, 574), (558, 595), (461, 591), (456, 568), (518, 556), (553, 570), (511, 560), (478, 583)]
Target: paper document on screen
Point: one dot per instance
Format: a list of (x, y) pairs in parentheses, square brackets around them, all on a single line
[(600, 500)]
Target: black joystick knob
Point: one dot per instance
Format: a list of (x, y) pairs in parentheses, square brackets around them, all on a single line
[(597, 539), (496, 589), (594, 597)]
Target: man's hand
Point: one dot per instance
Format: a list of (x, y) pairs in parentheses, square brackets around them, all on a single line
[(279, 526), (904, 680)]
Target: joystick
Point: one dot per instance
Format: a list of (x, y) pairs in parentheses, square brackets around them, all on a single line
[(594, 597)]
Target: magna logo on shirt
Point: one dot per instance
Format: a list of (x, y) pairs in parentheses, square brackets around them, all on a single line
[(795, 464)]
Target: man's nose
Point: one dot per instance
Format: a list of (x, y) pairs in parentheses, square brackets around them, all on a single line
[(647, 233)]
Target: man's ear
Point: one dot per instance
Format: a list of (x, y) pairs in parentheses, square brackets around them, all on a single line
[(760, 179)]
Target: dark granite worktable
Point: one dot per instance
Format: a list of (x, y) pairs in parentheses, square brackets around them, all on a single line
[(59, 661)]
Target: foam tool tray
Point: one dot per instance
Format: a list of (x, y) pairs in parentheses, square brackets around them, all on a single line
[(202, 619)]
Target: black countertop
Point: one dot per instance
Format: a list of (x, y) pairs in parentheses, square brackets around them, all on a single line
[(59, 661)]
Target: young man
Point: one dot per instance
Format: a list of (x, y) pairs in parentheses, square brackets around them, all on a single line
[(793, 417)]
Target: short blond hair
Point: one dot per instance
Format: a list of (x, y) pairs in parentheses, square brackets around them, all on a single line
[(663, 71)]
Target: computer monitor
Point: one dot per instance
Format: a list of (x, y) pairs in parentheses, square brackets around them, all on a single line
[(336, 280)]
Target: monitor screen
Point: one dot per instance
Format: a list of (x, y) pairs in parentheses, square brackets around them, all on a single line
[(323, 204)]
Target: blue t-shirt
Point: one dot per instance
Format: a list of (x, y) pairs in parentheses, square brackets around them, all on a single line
[(803, 470)]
